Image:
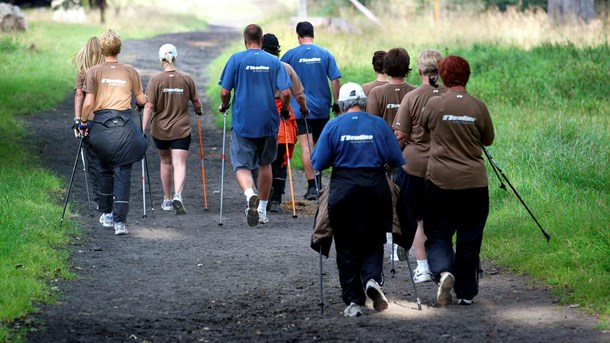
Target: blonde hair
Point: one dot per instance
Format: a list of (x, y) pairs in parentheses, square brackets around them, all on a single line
[(168, 58), (88, 56), (111, 43), (427, 62)]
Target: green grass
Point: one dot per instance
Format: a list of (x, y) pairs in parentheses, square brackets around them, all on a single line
[(550, 109)]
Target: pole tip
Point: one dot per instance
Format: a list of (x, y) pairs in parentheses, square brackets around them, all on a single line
[(219, 224), (294, 216)]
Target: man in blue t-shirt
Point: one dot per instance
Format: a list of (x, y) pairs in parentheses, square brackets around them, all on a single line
[(254, 75), (314, 66)]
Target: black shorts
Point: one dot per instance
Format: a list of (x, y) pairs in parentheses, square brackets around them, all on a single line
[(314, 126), (178, 144)]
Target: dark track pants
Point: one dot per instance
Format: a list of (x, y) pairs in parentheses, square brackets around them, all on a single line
[(357, 266), (464, 213), (114, 188)]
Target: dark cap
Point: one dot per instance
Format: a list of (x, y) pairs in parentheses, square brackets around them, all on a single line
[(270, 41)]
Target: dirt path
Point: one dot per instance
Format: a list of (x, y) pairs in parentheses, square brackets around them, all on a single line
[(186, 279)]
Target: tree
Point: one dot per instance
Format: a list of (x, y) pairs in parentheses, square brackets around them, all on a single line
[(569, 10)]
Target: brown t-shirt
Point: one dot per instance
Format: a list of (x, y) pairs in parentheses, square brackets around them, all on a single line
[(408, 120), (170, 93), (368, 87), (297, 86), (458, 124), (384, 100), (113, 84)]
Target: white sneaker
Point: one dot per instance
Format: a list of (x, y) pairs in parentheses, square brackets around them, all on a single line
[(167, 205), (373, 291), (443, 295), (119, 229), (106, 220), (178, 205), (421, 275), (464, 301), (262, 217), (353, 310)]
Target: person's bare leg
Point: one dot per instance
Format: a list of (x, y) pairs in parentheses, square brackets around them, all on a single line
[(306, 155), (244, 179), (419, 241), (265, 177), (179, 158), (165, 157)]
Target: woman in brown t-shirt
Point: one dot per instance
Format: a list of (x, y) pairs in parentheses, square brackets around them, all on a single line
[(167, 97), (457, 198)]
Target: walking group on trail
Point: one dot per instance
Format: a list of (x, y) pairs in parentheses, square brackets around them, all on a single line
[(406, 161)]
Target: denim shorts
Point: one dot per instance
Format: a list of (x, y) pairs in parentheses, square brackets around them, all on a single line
[(249, 153)]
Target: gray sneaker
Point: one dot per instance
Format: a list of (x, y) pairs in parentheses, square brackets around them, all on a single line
[(373, 291), (353, 310), (443, 295), (262, 217), (106, 220), (252, 211), (167, 205), (119, 229)]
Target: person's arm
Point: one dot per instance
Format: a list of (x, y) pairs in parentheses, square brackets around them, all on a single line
[(336, 83), (146, 115), (141, 100), (302, 101), (225, 100), (197, 106), (79, 97)]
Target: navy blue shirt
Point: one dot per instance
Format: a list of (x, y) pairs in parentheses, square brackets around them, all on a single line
[(356, 140), (314, 66), (255, 75)]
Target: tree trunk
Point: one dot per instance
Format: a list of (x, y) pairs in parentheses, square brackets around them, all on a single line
[(571, 10)]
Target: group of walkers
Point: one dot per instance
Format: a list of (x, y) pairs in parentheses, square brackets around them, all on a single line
[(426, 139)]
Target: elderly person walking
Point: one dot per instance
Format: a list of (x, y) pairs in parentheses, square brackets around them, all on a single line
[(255, 75), (114, 137), (358, 146), (457, 197), (168, 94), (416, 146)]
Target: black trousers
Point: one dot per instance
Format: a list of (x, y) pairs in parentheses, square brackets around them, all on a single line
[(463, 213)]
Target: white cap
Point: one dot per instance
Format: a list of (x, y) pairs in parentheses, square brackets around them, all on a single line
[(351, 91), (165, 48)]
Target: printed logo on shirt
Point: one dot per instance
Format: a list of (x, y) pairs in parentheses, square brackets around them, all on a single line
[(113, 82), (459, 119), (257, 69), (357, 139), (392, 106), (173, 90), (310, 60)]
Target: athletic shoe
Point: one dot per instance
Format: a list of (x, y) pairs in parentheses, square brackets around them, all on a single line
[(252, 211), (106, 220), (443, 295), (167, 205), (374, 292), (262, 217), (422, 275), (353, 310), (311, 194), (119, 228), (464, 301), (177, 202), (274, 207), (401, 253)]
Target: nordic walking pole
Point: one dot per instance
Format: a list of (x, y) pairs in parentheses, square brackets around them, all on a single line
[(205, 194), (294, 211), (143, 190), (146, 174), (152, 199), (321, 285), (222, 168), (498, 169), (393, 270), (82, 155), (63, 213), (413, 282)]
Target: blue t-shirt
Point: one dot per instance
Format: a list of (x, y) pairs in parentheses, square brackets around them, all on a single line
[(314, 66), (356, 140), (254, 75)]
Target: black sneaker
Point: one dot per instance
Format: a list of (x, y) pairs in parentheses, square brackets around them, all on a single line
[(312, 194), (274, 207)]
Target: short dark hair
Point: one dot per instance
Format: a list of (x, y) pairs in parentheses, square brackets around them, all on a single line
[(378, 57), (396, 63), (253, 33), (454, 71), (305, 29)]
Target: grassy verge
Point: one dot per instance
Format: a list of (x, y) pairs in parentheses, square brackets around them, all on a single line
[(545, 88), (37, 75)]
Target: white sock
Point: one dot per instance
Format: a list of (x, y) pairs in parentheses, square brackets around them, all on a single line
[(249, 193), (262, 205), (423, 264)]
